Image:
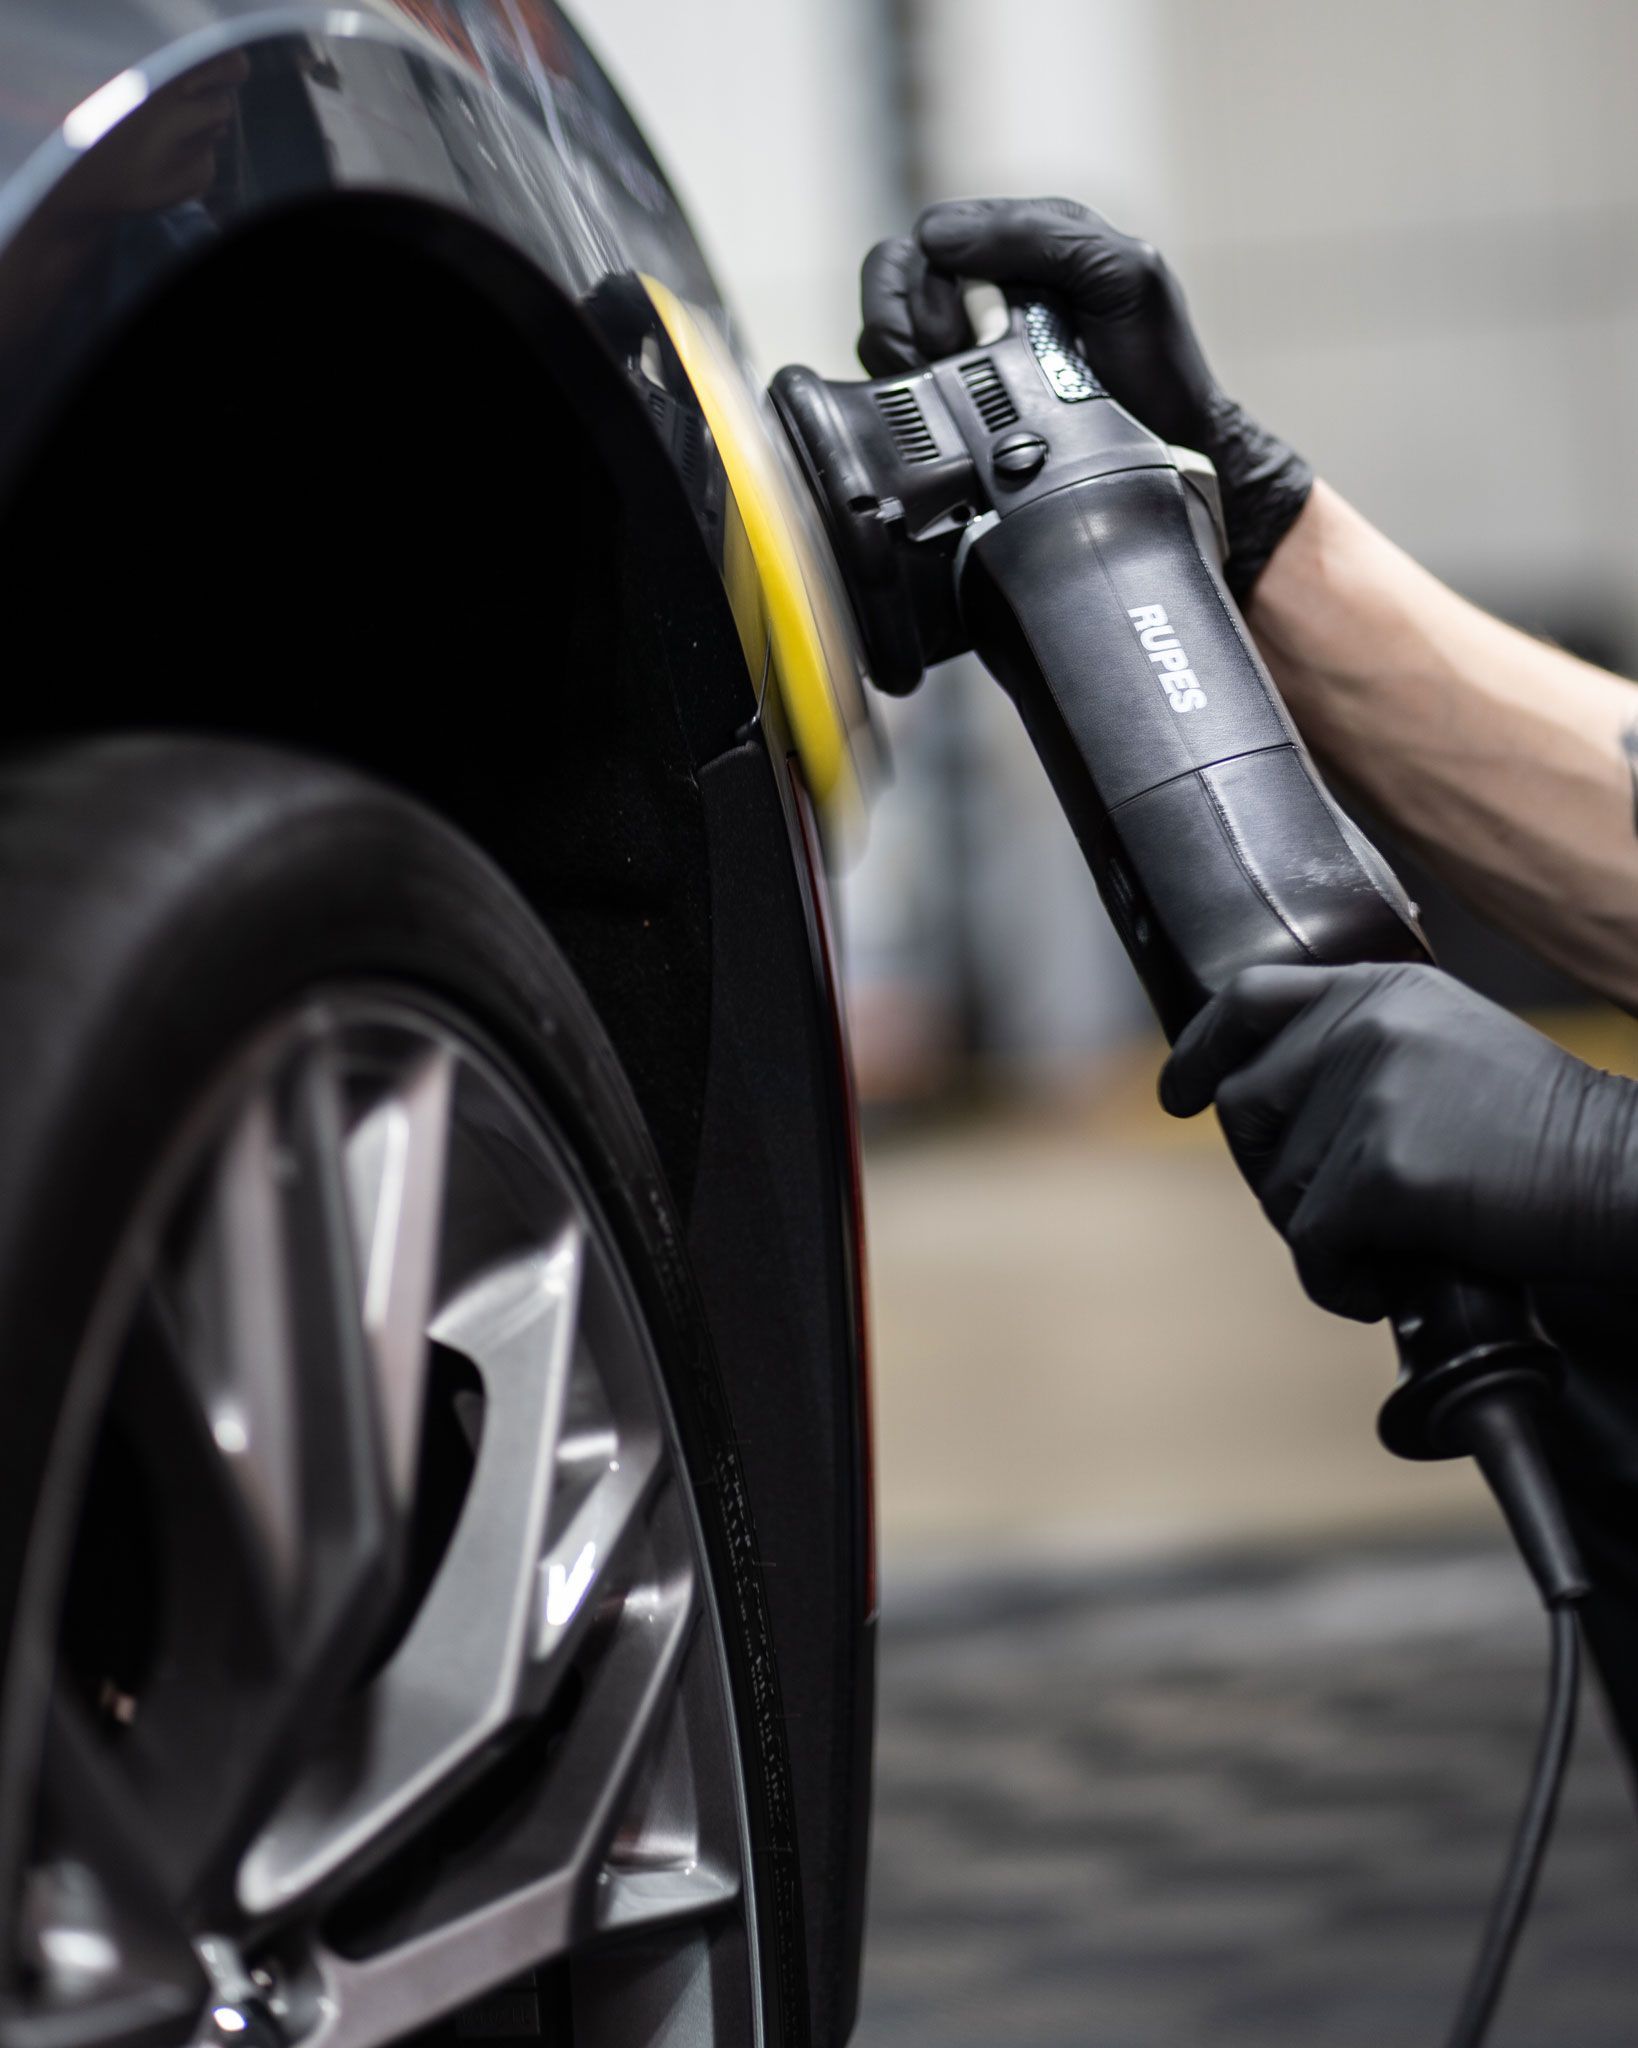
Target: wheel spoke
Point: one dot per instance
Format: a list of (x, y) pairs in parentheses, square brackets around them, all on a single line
[(579, 1562), (207, 1400), (351, 1544), (676, 1853), (454, 1682), (351, 1526), (280, 1534), (606, 1463), (629, 1692), (395, 1182), (236, 1337), (634, 1899)]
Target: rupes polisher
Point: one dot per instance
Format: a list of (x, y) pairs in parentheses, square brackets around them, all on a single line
[(1001, 501)]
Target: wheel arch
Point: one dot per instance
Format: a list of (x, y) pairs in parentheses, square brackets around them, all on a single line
[(361, 479)]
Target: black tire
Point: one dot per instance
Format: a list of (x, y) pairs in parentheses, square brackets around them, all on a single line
[(160, 899)]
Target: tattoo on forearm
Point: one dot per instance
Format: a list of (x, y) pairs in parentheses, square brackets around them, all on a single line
[(1629, 747)]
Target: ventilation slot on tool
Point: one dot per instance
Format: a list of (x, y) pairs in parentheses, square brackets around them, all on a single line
[(989, 394), (898, 406), (682, 432)]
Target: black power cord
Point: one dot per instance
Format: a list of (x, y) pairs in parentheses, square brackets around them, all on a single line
[(1494, 1422), (1524, 1858)]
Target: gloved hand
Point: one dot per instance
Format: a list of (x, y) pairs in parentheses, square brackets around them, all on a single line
[(1134, 326), (1386, 1115)]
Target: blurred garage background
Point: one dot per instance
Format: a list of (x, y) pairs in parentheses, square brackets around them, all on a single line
[(1202, 1718)]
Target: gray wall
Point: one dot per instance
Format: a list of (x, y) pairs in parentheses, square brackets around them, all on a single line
[(770, 118), (1409, 229), (1419, 253)]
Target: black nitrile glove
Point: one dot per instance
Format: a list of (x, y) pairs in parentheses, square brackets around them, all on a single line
[(1388, 1115), (1134, 326)]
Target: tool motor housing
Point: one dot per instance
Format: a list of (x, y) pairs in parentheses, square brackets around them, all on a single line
[(1002, 501)]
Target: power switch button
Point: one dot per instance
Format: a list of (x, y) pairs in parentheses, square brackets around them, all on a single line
[(1018, 457)]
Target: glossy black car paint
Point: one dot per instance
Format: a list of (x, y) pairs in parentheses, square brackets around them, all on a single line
[(364, 436)]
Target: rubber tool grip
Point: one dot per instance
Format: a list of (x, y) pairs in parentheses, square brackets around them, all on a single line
[(1213, 842)]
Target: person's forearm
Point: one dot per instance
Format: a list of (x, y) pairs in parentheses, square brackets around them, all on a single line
[(1502, 760)]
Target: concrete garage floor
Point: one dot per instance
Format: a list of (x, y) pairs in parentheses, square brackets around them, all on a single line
[(1202, 1718), (1255, 1805)]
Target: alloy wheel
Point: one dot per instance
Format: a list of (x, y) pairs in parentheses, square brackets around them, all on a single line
[(389, 1689)]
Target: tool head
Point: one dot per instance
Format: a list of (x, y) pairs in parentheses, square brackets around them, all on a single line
[(896, 496), (905, 467)]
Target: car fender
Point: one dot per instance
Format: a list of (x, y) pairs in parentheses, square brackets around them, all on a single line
[(495, 111)]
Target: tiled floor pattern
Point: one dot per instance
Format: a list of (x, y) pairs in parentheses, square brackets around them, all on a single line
[(1255, 1805)]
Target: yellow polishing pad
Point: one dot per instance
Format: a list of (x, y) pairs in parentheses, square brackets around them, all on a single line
[(785, 597)]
